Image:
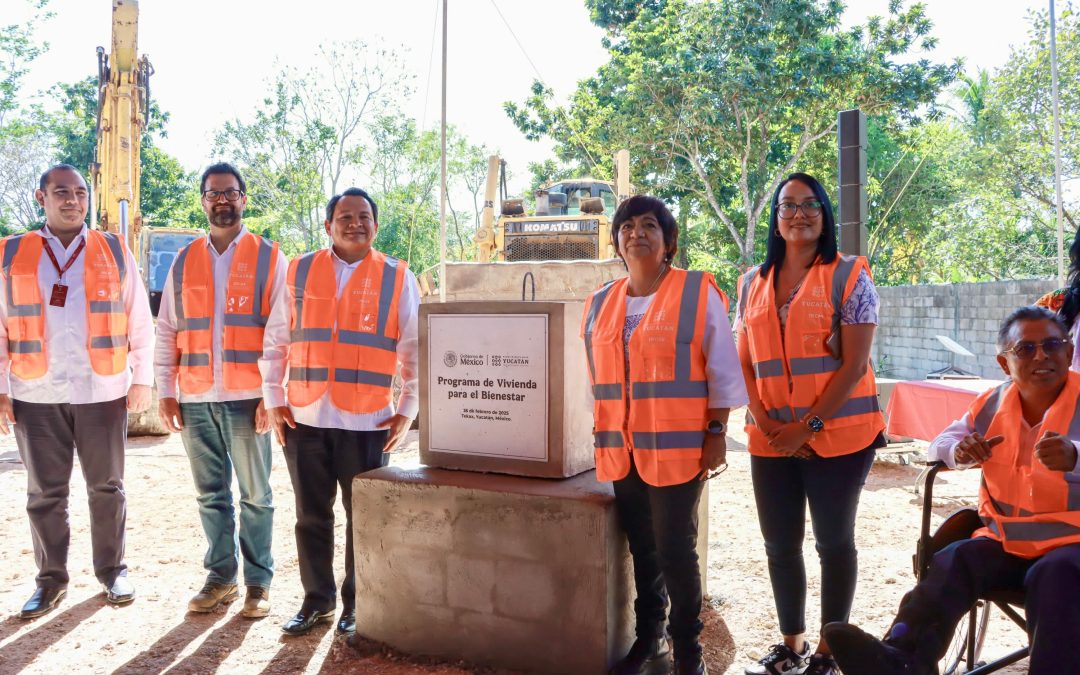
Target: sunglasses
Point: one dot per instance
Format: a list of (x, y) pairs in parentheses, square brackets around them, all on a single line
[(1026, 350)]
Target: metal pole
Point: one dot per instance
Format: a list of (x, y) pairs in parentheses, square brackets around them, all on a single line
[(1057, 148), (442, 170)]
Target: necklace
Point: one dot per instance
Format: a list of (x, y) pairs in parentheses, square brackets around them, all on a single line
[(656, 282)]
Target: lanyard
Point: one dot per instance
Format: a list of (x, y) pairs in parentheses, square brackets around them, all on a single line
[(67, 265)]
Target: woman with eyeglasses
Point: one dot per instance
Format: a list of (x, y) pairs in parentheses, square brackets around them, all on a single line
[(1066, 301), (805, 320), (664, 374)]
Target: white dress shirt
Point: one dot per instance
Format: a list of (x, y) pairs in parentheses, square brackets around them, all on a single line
[(70, 378), (943, 448), (167, 357), (323, 413)]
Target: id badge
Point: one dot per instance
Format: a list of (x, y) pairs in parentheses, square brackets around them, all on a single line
[(59, 295)]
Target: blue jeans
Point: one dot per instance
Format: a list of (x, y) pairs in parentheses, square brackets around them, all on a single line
[(220, 437)]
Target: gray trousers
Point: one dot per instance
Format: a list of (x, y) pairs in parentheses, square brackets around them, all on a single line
[(47, 434)]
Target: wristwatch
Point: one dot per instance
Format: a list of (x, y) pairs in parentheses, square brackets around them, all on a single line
[(716, 428), (815, 424)]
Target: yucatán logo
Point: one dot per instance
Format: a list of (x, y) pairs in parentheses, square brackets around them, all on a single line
[(449, 359)]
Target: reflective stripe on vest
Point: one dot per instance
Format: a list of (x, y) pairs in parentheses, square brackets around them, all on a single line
[(17, 344), (336, 333), (1029, 508), (242, 331), (667, 398), (108, 339), (104, 273), (788, 362)]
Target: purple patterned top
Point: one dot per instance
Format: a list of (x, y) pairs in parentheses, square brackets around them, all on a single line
[(860, 307)]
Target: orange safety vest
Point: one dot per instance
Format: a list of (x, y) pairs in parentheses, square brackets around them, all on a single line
[(1030, 509), (104, 271), (660, 418), (791, 372), (347, 344), (247, 307)]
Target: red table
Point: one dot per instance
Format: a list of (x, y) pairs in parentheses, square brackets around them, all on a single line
[(922, 409)]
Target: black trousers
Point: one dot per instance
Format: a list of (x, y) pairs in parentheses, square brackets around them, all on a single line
[(962, 572), (661, 526), (831, 486), (48, 435), (320, 461)]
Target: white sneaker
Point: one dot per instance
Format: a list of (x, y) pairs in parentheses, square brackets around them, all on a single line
[(782, 660)]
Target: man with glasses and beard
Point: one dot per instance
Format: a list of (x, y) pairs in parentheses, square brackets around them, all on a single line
[(1024, 435), (214, 308)]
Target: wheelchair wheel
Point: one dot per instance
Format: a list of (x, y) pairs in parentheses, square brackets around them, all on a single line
[(956, 658)]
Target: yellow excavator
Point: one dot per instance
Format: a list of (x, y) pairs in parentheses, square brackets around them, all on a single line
[(123, 109), (122, 115)]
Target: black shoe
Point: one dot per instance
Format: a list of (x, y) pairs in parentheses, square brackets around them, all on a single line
[(121, 592), (647, 656), (858, 653), (305, 620), (822, 664), (347, 623), (691, 665), (42, 601)]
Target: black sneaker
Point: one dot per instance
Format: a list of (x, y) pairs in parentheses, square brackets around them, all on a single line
[(782, 660), (822, 664), (647, 656), (858, 653)]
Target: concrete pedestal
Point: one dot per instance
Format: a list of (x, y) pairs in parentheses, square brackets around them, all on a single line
[(498, 570)]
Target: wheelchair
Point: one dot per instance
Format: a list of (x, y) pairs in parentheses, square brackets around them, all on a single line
[(963, 656)]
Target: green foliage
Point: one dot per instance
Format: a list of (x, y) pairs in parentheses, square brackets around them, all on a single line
[(168, 194), (717, 101), (17, 49)]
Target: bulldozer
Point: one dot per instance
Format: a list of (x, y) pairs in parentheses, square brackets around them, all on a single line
[(122, 114), (563, 248), (571, 220)]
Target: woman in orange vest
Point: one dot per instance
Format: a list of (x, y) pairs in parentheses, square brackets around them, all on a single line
[(805, 321), (663, 369), (1066, 301)]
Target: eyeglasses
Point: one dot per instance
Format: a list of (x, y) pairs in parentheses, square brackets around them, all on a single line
[(1026, 350), (230, 195), (786, 210)]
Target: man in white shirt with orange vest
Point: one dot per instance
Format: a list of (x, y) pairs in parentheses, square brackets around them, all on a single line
[(214, 307), (76, 338), (1025, 436), (349, 322)]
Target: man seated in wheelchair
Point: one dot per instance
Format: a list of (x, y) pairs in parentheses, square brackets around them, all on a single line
[(1024, 435)]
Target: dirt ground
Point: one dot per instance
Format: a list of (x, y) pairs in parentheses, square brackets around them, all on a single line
[(165, 548)]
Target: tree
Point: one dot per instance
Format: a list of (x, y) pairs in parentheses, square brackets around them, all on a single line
[(17, 50), (308, 133), (1020, 118), (168, 193), (403, 163), (717, 101), (24, 148), (25, 152)]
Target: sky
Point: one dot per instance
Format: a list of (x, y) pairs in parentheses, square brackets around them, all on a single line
[(214, 60)]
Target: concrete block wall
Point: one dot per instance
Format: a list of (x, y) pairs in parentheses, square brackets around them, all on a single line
[(968, 313)]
